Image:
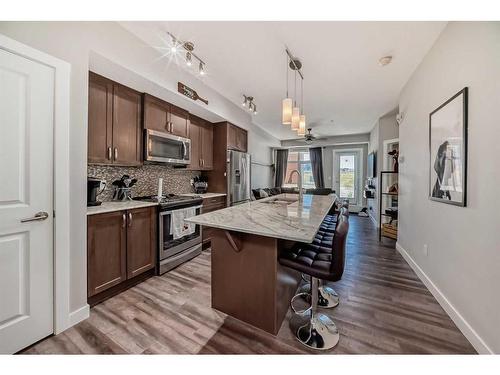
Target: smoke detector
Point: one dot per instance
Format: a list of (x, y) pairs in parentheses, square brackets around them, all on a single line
[(386, 60)]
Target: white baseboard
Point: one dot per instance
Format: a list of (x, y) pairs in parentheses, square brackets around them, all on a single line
[(471, 335), (79, 315)]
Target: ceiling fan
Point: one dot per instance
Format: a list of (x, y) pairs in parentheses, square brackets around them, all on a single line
[(308, 137)]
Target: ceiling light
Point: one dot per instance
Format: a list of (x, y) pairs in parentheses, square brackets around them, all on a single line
[(386, 60), (295, 118), (286, 117), (302, 125), (201, 69), (248, 101), (244, 104), (188, 59), (254, 109), (191, 57)]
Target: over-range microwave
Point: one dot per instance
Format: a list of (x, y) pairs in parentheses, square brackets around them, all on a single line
[(167, 148)]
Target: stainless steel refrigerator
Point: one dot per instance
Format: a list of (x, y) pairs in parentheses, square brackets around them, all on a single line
[(238, 177)]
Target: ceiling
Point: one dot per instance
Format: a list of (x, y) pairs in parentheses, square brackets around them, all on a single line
[(345, 88)]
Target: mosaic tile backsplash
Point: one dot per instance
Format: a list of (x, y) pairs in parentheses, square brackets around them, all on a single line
[(176, 181)]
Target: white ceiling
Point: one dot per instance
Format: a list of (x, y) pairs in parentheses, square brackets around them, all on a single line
[(345, 89)]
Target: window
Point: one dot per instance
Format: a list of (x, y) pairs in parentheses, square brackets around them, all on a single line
[(300, 161)]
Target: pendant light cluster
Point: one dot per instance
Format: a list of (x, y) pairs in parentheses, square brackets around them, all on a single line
[(291, 112), (249, 103), (189, 48)]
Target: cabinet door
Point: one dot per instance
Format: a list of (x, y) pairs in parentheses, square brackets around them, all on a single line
[(100, 129), (241, 140), (231, 137), (141, 240), (106, 251), (207, 145), (156, 114), (179, 121), (195, 136), (127, 133)]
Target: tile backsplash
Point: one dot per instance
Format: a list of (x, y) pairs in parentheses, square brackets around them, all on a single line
[(175, 180)]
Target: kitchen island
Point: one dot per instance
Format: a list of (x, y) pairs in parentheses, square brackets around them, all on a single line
[(248, 282)]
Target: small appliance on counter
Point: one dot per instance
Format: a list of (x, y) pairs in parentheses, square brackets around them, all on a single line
[(95, 187), (123, 187), (200, 184)]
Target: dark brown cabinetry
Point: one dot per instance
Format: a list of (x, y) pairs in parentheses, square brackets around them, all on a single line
[(202, 139), (209, 205), (226, 136), (236, 138), (114, 123), (121, 246), (162, 116)]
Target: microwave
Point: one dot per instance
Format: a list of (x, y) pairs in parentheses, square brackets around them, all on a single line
[(166, 148)]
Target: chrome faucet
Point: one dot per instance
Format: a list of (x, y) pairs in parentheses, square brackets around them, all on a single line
[(301, 193)]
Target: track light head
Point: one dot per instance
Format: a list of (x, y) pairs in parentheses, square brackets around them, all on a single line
[(201, 69), (189, 60)]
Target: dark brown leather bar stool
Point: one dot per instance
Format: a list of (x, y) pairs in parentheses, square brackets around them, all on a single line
[(320, 332), (327, 297)]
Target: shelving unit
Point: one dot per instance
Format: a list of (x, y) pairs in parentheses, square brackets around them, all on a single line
[(385, 228)]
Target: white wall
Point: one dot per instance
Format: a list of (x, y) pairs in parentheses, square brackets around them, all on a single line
[(463, 262), (109, 49)]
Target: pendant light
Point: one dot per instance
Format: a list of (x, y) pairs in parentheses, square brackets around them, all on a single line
[(287, 103), (302, 120), (295, 110)]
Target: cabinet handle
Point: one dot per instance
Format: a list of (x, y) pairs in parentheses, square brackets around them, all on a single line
[(116, 153), (171, 125), (199, 162), (203, 161), (109, 153), (167, 126), (130, 219), (124, 220)]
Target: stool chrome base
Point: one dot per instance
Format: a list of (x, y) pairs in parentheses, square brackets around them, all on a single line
[(327, 297), (319, 333)]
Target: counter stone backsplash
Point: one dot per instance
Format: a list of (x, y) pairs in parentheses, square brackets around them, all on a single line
[(176, 181)]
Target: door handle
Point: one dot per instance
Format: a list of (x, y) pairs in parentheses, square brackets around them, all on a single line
[(109, 153), (116, 153), (39, 216), (130, 219)]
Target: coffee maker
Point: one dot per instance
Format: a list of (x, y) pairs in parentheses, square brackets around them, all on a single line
[(94, 188)]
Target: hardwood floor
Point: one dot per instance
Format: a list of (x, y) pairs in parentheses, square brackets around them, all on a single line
[(384, 308)]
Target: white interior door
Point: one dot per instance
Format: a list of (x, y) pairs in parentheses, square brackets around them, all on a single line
[(26, 188)]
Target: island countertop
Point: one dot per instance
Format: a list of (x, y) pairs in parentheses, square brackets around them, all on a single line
[(280, 216)]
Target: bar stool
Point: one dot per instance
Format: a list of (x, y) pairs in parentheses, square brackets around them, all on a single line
[(320, 332), (327, 297)]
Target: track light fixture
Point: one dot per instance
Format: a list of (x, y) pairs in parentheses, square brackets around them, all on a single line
[(249, 103), (190, 55)]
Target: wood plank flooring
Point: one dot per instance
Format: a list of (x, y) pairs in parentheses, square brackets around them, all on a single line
[(384, 309)]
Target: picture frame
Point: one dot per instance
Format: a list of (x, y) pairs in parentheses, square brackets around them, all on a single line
[(448, 150)]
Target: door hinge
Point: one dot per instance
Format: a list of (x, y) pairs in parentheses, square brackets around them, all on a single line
[(53, 213)]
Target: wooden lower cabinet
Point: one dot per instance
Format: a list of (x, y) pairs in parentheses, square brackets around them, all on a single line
[(121, 246), (141, 240), (209, 205), (106, 251)]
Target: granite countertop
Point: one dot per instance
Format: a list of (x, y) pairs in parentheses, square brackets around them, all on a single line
[(283, 216), (118, 206), (205, 195)]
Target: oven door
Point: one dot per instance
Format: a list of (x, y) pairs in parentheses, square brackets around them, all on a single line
[(166, 148), (170, 246)]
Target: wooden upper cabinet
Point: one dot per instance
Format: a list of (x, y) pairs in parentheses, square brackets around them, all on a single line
[(179, 121), (207, 145), (106, 251), (202, 138), (141, 240), (241, 139), (127, 131), (114, 123), (156, 114), (164, 117), (231, 136), (195, 136), (100, 125), (236, 138)]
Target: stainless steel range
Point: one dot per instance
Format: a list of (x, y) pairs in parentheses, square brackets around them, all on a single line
[(178, 241)]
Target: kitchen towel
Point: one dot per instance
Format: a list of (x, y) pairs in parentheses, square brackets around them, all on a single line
[(179, 228)]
